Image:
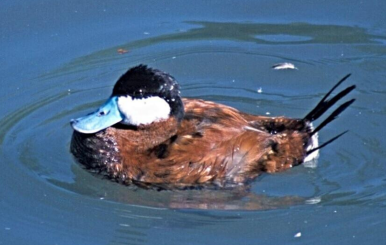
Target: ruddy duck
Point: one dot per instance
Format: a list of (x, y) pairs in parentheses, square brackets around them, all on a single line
[(146, 134)]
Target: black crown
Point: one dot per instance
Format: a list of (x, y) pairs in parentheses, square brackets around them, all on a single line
[(142, 82)]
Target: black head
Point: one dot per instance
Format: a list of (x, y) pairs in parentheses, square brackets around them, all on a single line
[(142, 82)]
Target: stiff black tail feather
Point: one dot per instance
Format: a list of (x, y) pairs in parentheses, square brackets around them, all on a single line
[(326, 143), (325, 104), (333, 115)]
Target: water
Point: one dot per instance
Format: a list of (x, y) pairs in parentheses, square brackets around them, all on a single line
[(59, 61)]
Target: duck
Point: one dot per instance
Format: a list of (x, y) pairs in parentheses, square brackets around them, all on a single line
[(147, 135)]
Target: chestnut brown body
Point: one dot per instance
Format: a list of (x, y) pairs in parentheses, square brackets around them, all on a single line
[(146, 134), (213, 145)]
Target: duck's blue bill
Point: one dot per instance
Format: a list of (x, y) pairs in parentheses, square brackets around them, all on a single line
[(107, 115)]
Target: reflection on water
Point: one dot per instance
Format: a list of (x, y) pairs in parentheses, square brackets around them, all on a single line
[(232, 199)]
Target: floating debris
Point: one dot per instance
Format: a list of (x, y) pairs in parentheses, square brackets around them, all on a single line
[(260, 90), (284, 66), (299, 234), (122, 51), (124, 225), (314, 200)]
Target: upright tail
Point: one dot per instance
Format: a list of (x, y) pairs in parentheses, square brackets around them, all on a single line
[(326, 104)]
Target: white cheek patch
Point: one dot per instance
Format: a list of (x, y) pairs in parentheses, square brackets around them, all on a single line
[(143, 111)]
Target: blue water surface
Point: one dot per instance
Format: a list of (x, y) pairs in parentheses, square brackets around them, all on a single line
[(60, 59)]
